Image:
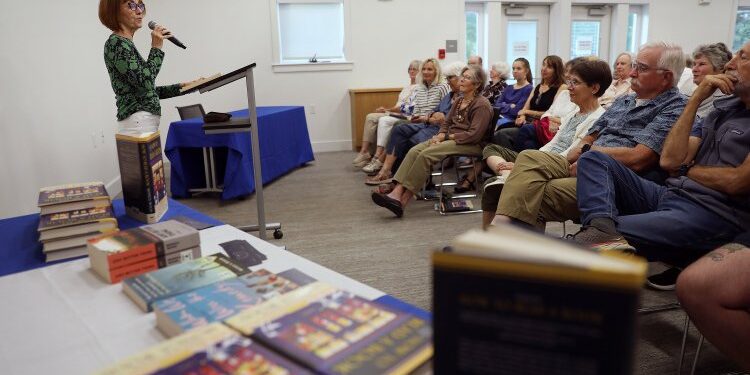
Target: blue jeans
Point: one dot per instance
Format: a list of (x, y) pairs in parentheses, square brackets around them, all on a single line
[(658, 221), (406, 136), (526, 138)]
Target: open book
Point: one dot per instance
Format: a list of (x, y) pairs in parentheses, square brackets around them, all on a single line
[(193, 84), (508, 293)]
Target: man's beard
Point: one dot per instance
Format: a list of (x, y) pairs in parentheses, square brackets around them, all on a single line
[(741, 87)]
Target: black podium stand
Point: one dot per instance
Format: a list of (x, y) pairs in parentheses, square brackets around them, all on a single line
[(248, 124)]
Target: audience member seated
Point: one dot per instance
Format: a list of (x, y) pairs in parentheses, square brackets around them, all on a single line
[(547, 126), (474, 60), (621, 83), (709, 59), (464, 132), (539, 102), (685, 84), (513, 97), (405, 136), (542, 186), (431, 88), (706, 201), (715, 293), (371, 120), (587, 80), (498, 74)]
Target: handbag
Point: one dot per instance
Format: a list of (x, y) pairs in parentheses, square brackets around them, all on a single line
[(543, 134)]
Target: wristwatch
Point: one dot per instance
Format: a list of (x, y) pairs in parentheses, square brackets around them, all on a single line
[(585, 148), (683, 170)]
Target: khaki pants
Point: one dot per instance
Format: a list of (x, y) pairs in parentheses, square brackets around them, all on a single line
[(417, 164), (539, 187), (371, 127)]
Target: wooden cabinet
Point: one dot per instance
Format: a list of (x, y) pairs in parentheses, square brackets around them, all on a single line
[(364, 101)]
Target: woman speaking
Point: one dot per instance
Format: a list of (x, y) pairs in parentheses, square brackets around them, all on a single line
[(133, 79)]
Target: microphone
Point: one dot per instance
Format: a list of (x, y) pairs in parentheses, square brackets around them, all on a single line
[(152, 25)]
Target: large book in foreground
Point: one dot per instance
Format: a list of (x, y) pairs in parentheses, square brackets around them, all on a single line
[(221, 300), (345, 334), (142, 175), (509, 301), (150, 287), (211, 349)]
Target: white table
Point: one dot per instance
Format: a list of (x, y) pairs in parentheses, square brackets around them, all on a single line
[(63, 319)]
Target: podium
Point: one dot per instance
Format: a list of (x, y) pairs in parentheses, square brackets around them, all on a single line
[(243, 124)]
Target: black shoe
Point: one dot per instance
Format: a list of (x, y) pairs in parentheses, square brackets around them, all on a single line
[(665, 280), (391, 204)]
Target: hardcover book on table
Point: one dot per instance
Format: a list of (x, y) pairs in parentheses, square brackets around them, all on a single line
[(509, 294), (346, 334), (142, 176), (150, 287), (71, 197), (219, 301), (154, 243), (211, 349)]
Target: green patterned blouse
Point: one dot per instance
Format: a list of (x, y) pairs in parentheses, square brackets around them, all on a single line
[(133, 79)]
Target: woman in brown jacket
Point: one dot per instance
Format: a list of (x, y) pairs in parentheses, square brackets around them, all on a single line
[(464, 132)]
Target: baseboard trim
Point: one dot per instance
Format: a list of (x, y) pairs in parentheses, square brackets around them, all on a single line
[(328, 146)]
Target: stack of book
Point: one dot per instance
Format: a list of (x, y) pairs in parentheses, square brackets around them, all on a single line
[(117, 255), (70, 215)]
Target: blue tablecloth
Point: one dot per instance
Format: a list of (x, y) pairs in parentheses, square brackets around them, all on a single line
[(284, 146), (20, 249)]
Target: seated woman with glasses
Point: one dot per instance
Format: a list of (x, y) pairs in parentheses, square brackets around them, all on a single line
[(588, 80), (133, 79), (464, 132)]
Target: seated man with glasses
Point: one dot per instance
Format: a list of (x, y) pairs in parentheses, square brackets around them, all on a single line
[(704, 204), (542, 186)]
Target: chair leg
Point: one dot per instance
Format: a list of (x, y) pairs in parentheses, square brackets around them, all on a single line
[(684, 340), (697, 354)]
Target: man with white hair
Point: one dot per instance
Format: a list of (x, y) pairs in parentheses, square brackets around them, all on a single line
[(475, 60), (704, 204), (542, 186)]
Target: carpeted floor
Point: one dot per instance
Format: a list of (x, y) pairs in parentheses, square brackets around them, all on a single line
[(327, 216)]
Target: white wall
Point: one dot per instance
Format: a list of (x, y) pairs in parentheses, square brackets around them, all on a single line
[(55, 93)]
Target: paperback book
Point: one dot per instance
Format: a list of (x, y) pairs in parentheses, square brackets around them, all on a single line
[(76, 217), (71, 197), (509, 294), (219, 301), (142, 176), (211, 349), (148, 288)]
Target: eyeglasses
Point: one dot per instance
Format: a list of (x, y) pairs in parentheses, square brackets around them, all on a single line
[(573, 83), (465, 77), (132, 5), (643, 68)]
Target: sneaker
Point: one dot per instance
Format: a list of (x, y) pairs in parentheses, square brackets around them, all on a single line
[(665, 280), (373, 166), (494, 185), (361, 160), (602, 241)]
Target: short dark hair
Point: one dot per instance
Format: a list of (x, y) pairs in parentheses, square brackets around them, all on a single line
[(593, 72), (109, 11)]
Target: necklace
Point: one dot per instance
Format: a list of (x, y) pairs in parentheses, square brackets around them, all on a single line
[(460, 115)]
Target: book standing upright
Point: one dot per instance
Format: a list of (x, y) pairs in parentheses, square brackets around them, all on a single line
[(144, 188)]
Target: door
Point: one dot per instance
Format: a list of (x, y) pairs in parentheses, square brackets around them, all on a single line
[(526, 34), (589, 31)]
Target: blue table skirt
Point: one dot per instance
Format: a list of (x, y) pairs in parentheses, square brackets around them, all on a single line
[(20, 249), (284, 146)]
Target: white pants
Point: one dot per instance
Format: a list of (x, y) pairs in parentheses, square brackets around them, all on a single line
[(139, 123), (385, 124)]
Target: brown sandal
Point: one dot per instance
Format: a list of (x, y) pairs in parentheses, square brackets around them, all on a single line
[(378, 179)]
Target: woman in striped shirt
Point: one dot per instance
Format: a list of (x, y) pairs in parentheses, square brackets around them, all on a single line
[(431, 88)]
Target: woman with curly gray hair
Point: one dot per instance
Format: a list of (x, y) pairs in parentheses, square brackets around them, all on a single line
[(709, 59)]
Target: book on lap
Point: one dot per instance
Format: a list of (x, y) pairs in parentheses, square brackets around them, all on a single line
[(508, 293)]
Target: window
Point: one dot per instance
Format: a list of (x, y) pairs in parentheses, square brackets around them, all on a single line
[(521, 42), (741, 27), (637, 23), (310, 34), (584, 38), (474, 29)]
